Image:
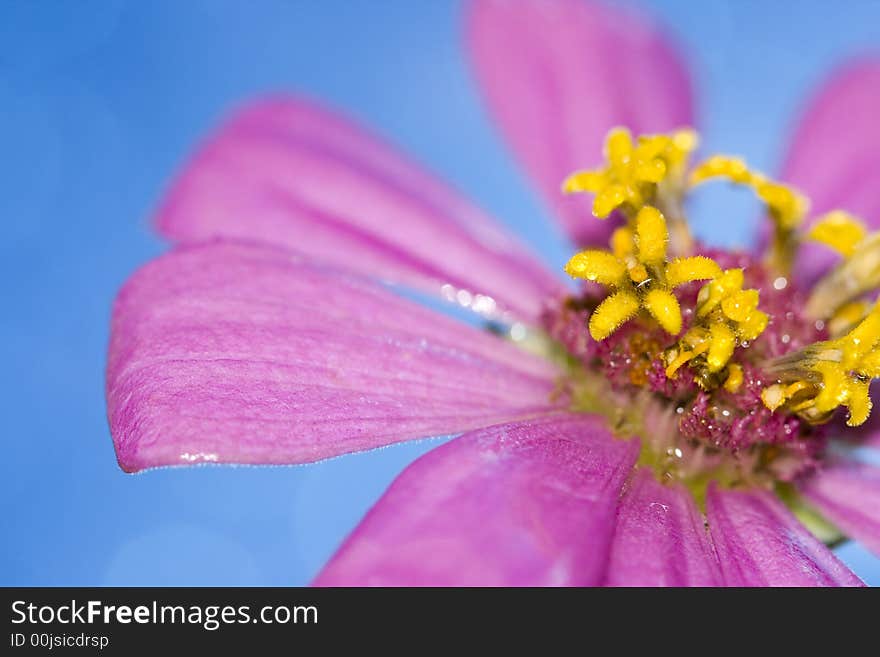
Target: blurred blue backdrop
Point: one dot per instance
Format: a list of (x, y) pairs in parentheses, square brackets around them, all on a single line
[(101, 101)]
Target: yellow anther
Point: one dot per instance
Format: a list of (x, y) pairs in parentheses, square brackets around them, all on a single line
[(685, 141), (795, 388), (597, 266), (721, 166), (786, 206), (694, 268), (838, 374), (637, 266), (623, 242), (833, 391), (618, 147), (584, 181), (722, 343), (753, 326), (664, 307), (632, 171), (651, 171), (859, 404), (729, 282), (725, 315), (778, 394), (859, 342), (608, 199), (734, 378), (651, 236), (839, 230), (694, 343), (740, 305), (611, 313), (774, 396)]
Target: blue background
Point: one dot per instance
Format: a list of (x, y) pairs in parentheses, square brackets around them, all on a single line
[(101, 101)]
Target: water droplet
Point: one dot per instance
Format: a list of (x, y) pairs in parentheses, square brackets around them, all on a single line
[(786, 338), (484, 305), (780, 283)]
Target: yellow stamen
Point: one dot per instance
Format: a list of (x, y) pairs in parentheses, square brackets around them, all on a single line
[(637, 265), (633, 171), (608, 199), (773, 396), (651, 236), (721, 166), (839, 230), (611, 313), (753, 326), (785, 205), (858, 273), (740, 305), (597, 266), (734, 378), (663, 305), (693, 344), (694, 268), (729, 282), (831, 374), (722, 344), (623, 242), (725, 314)]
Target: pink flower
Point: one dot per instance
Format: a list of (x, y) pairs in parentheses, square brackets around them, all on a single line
[(267, 336)]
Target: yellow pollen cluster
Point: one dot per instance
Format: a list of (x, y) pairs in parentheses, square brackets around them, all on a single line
[(633, 170), (786, 206), (646, 181), (825, 375), (836, 296), (839, 230), (639, 275), (726, 315)]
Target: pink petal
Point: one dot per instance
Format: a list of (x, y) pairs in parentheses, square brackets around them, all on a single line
[(242, 353), (661, 538), (559, 75), (529, 503), (286, 172), (760, 543), (835, 153), (848, 493)]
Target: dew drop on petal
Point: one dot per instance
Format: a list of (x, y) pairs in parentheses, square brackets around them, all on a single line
[(518, 332)]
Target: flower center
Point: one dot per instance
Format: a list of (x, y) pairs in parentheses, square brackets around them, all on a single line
[(721, 362)]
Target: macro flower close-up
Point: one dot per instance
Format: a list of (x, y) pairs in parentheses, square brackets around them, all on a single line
[(535, 293), (675, 420)]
